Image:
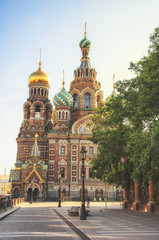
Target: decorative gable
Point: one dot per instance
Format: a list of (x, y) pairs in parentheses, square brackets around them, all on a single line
[(62, 163), (34, 175)]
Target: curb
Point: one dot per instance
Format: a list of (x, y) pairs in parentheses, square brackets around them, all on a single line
[(8, 212)]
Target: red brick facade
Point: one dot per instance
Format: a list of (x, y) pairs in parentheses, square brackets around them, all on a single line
[(61, 136)]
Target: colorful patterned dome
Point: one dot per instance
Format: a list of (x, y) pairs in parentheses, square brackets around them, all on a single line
[(63, 98), (113, 95), (85, 43)]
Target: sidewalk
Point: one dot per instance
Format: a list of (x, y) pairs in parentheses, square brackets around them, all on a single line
[(45, 220), (93, 205), (8, 212), (115, 223)]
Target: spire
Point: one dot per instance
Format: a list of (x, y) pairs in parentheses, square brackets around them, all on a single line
[(85, 31), (40, 59), (36, 136), (85, 43), (63, 82), (35, 150)]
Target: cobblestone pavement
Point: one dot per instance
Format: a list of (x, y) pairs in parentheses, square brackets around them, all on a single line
[(42, 221), (35, 223), (113, 224)]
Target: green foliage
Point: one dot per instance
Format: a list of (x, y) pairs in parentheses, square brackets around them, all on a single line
[(126, 127)]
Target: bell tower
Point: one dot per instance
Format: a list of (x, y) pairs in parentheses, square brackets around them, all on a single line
[(85, 89), (37, 116)]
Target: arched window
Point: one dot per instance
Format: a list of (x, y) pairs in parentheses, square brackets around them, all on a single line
[(75, 101), (34, 91), (66, 115), (31, 92), (38, 91), (37, 111), (45, 92), (87, 101), (78, 72), (86, 72), (62, 171), (42, 92), (59, 115)]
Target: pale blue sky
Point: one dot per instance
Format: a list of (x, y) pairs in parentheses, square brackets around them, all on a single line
[(118, 29)]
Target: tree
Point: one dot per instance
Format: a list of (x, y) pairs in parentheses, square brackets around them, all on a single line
[(111, 134), (126, 127)]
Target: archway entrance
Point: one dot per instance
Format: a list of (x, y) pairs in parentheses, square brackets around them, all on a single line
[(16, 193), (32, 194), (35, 194)]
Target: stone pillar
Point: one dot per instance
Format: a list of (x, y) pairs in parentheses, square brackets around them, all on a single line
[(40, 197), (25, 114), (137, 196), (151, 192), (32, 113), (25, 195), (49, 115), (151, 202)]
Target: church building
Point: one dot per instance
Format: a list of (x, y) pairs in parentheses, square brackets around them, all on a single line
[(50, 139)]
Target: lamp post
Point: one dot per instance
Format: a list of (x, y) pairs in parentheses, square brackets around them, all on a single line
[(59, 197), (82, 210), (31, 195)]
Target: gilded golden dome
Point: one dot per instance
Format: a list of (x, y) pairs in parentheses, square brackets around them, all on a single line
[(39, 76)]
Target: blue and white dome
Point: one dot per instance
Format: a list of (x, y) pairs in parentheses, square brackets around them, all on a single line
[(85, 43), (63, 98)]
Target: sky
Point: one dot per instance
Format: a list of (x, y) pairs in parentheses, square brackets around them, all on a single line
[(119, 31)]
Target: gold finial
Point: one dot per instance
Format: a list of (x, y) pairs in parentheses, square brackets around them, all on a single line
[(36, 136), (85, 31), (63, 82), (113, 81), (40, 59)]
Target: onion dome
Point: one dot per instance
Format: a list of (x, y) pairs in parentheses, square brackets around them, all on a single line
[(85, 43), (63, 98), (39, 76), (113, 95)]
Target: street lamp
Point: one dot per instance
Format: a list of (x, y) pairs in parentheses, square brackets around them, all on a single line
[(59, 197), (31, 195), (82, 210)]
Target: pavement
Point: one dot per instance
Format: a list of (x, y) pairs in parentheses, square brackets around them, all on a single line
[(40, 221)]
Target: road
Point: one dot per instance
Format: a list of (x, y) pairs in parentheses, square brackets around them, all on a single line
[(42, 221)]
